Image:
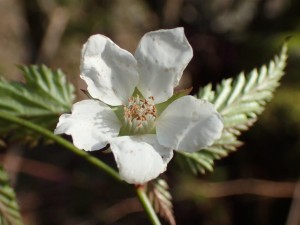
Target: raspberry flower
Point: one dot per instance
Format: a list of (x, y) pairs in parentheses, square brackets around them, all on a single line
[(132, 106)]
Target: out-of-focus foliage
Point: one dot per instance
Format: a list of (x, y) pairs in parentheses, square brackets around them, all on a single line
[(239, 101), (9, 209), (45, 95)]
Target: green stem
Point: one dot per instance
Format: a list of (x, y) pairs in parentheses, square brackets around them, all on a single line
[(93, 160), (140, 190)]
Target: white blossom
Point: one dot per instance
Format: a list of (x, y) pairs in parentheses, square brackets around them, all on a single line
[(128, 92)]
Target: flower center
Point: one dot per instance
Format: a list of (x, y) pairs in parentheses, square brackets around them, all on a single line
[(139, 115)]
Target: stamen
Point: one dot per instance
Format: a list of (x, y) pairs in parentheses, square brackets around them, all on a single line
[(139, 115)]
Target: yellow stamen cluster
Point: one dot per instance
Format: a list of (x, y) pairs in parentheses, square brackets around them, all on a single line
[(139, 115)]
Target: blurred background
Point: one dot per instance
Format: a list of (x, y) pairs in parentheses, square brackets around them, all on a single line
[(255, 185)]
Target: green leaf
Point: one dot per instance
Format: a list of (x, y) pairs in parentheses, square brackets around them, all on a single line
[(239, 101), (9, 209), (161, 199), (41, 99), (162, 106)]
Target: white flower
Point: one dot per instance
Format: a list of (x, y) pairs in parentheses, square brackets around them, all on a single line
[(130, 109)]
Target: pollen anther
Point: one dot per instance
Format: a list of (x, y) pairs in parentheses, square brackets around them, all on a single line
[(140, 114)]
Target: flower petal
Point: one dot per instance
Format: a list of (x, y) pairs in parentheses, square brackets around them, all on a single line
[(189, 124), (109, 71), (140, 158), (91, 125), (162, 56)]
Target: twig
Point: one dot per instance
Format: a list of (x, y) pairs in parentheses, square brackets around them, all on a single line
[(57, 25), (121, 209), (294, 214), (237, 187), (171, 13), (10, 159), (33, 168)]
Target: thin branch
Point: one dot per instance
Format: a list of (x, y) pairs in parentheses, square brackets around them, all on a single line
[(237, 187), (121, 209), (10, 159), (33, 168), (294, 215), (59, 19)]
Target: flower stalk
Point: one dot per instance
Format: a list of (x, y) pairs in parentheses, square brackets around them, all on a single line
[(140, 190), (91, 159), (61, 141)]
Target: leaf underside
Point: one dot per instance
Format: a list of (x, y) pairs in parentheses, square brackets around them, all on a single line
[(9, 209), (41, 99), (239, 101)]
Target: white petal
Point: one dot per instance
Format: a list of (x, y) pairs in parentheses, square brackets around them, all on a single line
[(92, 124), (109, 71), (162, 56), (140, 158), (189, 124)]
